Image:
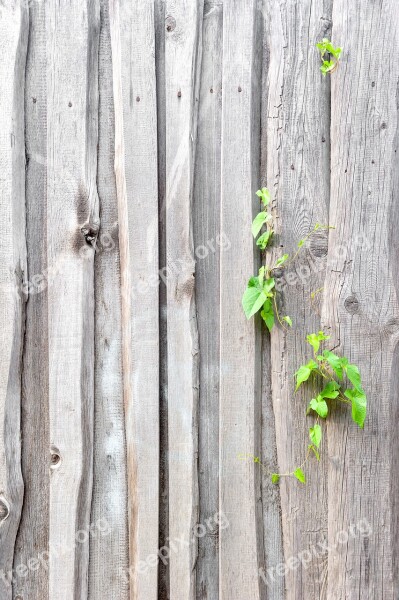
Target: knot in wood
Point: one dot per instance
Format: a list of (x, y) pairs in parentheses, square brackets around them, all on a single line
[(351, 305), (55, 458), (90, 233), (4, 509), (170, 23)]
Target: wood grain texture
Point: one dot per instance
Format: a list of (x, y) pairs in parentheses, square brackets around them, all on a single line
[(109, 561), (240, 551), (182, 66), (207, 246), (297, 133), (361, 303), (13, 272), (160, 33), (72, 35), (136, 166), (32, 540)]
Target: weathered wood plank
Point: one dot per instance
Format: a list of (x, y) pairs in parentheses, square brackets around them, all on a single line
[(109, 545), (32, 540), (297, 133), (361, 302), (133, 40), (72, 34), (208, 244), (182, 65), (160, 33), (13, 271), (240, 551)]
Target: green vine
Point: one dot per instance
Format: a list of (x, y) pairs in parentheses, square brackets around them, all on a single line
[(334, 372)]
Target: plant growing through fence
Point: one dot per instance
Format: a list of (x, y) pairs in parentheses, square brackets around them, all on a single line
[(329, 55), (334, 372)]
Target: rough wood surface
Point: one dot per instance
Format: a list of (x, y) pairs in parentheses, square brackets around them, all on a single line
[(72, 35), (361, 303), (32, 541), (13, 273), (182, 65), (239, 341), (136, 168), (297, 138), (109, 561), (207, 246)]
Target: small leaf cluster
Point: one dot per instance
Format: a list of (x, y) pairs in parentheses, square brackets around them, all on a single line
[(333, 369), (261, 294), (330, 63)]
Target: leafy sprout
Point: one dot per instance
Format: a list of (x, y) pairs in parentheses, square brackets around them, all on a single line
[(327, 49)]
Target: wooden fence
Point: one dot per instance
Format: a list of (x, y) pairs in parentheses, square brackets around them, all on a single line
[(133, 136)]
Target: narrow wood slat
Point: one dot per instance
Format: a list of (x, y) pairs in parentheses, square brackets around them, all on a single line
[(182, 64), (361, 300), (208, 244), (296, 133), (72, 223), (239, 343), (133, 39), (32, 540), (13, 47), (109, 545)]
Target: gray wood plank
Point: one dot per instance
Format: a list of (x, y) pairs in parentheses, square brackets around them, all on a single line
[(361, 301), (137, 187), (239, 547), (182, 69), (207, 245), (32, 540), (160, 32), (298, 176), (109, 545), (72, 224), (13, 273)]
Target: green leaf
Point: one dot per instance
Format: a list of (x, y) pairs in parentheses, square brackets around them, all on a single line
[(301, 243), (335, 362), (282, 260), (319, 406), (327, 66), (314, 340), (261, 275), (288, 320), (300, 475), (354, 376), (258, 222), (331, 390), (275, 477), (267, 315), (315, 435), (252, 300), (359, 406), (263, 241), (304, 372), (264, 195), (269, 285), (314, 450)]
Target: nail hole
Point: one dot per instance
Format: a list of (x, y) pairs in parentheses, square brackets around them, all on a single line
[(34, 100), (70, 104), (239, 89), (138, 99), (179, 94)]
